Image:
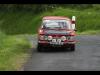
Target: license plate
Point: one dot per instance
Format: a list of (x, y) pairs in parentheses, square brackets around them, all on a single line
[(56, 42)]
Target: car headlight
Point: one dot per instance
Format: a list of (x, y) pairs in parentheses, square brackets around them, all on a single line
[(49, 37), (41, 37), (63, 38), (71, 38)]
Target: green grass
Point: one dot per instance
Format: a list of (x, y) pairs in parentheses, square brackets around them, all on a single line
[(89, 32), (18, 22), (14, 51)]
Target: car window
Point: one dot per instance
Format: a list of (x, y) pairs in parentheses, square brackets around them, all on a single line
[(52, 24)]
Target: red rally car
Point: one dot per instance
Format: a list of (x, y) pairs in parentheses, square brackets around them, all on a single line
[(56, 31)]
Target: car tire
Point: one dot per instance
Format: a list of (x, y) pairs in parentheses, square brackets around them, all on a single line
[(72, 48)]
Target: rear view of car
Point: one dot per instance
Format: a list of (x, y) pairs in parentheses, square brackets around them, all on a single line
[(56, 31)]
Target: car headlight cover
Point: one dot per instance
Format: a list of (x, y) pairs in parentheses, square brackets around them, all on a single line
[(63, 38), (49, 37), (71, 38), (41, 37)]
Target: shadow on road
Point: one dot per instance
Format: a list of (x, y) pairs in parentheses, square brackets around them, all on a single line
[(51, 50)]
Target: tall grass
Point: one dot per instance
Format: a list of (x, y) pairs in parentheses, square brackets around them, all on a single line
[(2, 38), (18, 22), (14, 50)]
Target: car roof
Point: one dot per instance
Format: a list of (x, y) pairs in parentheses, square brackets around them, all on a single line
[(56, 18)]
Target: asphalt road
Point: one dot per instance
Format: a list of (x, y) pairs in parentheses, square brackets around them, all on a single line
[(85, 58)]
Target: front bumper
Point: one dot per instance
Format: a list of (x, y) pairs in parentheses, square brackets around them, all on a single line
[(47, 44)]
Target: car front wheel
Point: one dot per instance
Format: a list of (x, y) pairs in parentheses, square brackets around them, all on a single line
[(39, 48), (72, 47)]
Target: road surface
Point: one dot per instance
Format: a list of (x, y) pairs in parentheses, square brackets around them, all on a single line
[(85, 58)]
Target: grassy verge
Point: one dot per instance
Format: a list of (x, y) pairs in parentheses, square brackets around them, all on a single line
[(14, 51), (89, 32)]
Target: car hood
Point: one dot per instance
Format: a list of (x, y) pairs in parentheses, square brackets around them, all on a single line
[(62, 32)]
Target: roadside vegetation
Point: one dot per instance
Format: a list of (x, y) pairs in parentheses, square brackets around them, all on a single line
[(14, 25), (26, 22), (14, 51)]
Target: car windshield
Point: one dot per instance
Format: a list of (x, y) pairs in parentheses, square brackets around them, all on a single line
[(54, 24)]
